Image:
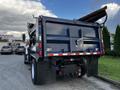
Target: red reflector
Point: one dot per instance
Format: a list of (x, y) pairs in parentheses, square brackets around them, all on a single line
[(98, 53), (50, 55), (60, 55), (40, 53), (40, 45)]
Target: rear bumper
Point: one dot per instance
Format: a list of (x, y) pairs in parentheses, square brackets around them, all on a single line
[(75, 54)]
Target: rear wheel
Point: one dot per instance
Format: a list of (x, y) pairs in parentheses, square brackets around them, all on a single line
[(81, 69), (34, 72), (26, 61), (37, 74)]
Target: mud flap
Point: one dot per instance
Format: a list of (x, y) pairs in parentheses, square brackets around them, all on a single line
[(92, 66), (47, 72)]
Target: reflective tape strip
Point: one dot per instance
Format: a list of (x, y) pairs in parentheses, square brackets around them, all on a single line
[(64, 54), (77, 53), (88, 53), (81, 54), (91, 53), (50, 55), (98, 52), (72, 54), (94, 53), (60, 55), (55, 54)]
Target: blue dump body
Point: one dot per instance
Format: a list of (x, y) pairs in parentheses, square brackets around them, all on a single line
[(60, 47), (68, 36)]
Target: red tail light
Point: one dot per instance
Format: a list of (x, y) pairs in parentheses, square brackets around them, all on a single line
[(40, 53), (40, 45)]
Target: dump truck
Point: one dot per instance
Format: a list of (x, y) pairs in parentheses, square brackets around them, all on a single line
[(61, 47)]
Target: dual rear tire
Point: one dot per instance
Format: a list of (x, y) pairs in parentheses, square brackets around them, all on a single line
[(36, 73), (42, 72), (81, 71), (82, 68)]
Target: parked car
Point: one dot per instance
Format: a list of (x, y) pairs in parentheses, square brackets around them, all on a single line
[(6, 50), (20, 50)]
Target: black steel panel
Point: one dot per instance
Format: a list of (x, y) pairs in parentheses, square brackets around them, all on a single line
[(94, 16), (58, 47), (78, 38)]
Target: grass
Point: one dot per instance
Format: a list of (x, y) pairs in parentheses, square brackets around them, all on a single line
[(109, 67)]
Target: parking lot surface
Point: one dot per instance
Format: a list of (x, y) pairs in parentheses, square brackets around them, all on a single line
[(14, 75)]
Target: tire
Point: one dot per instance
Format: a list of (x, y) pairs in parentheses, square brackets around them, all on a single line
[(38, 78), (34, 72), (42, 72), (26, 59), (82, 69)]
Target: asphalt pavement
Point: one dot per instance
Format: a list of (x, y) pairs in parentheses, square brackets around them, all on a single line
[(14, 75)]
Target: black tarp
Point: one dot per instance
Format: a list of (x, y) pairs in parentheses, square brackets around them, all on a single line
[(94, 16)]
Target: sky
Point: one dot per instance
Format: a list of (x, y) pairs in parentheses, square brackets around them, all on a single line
[(14, 14)]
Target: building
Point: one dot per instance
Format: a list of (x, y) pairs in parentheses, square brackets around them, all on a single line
[(6, 37)]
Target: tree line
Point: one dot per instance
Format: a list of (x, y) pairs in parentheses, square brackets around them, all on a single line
[(107, 42)]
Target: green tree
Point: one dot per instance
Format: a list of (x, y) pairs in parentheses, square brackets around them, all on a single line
[(117, 41), (106, 39)]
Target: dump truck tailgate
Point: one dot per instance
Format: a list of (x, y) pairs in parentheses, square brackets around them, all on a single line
[(67, 39)]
